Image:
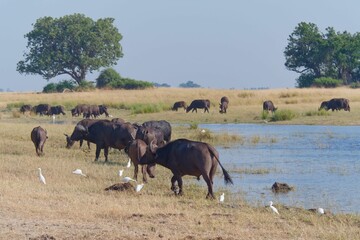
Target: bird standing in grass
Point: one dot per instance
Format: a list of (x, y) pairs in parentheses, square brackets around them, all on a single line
[(121, 172), (139, 187), (129, 163), (41, 177), (78, 172), (273, 208), (222, 198), (128, 179), (320, 211)]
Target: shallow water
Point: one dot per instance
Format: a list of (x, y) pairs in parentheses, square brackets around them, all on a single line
[(321, 162)]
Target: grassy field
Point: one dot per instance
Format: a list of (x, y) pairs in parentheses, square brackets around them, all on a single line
[(74, 207)]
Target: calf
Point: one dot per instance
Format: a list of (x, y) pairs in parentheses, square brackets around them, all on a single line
[(179, 104)]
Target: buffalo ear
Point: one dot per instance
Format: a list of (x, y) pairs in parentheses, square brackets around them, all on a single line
[(153, 146)]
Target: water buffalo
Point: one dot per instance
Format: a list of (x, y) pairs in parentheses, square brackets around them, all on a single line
[(186, 157), (38, 137), (79, 109), (41, 109), (161, 125), (84, 123), (136, 151), (118, 120), (199, 103), (25, 108), (179, 104), (95, 111), (149, 134), (105, 134), (324, 105), (224, 103), (56, 110), (269, 106), (336, 104)]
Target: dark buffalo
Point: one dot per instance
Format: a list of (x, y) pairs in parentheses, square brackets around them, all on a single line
[(95, 111), (324, 105), (105, 134), (25, 108), (38, 137), (224, 103), (186, 157), (41, 109), (118, 120), (161, 125), (84, 123), (56, 110), (199, 103), (269, 106), (180, 104), (103, 109), (79, 109), (337, 104), (150, 134), (136, 151)]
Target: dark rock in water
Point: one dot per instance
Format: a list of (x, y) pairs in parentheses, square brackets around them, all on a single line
[(281, 187), (120, 187)]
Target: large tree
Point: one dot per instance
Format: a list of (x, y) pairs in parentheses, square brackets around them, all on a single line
[(73, 45)]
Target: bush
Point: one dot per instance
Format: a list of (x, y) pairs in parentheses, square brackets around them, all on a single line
[(59, 87), (321, 112), (282, 115), (127, 83), (106, 77), (355, 85), (85, 86), (327, 82)]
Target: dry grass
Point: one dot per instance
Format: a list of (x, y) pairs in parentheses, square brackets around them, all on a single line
[(73, 207)]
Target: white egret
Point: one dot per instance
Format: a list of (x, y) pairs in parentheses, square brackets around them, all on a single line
[(139, 187), (53, 118), (273, 208), (222, 198), (41, 177), (78, 172), (203, 131), (320, 210), (128, 179), (121, 172), (129, 163)]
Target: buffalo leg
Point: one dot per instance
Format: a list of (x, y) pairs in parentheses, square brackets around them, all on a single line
[(81, 142), (88, 144), (173, 180), (97, 152), (209, 184), (180, 184), (136, 170), (143, 169), (106, 153)]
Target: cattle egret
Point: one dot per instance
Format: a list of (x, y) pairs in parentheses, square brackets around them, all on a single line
[(222, 197), (128, 179), (53, 117), (273, 208), (78, 172), (41, 177), (121, 172), (139, 187), (129, 163), (320, 210), (203, 131)]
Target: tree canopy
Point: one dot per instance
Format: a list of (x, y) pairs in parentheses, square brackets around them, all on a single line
[(73, 45), (315, 55)]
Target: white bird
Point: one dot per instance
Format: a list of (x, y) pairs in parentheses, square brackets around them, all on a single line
[(273, 208), (121, 172), (203, 131), (139, 187), (41, 177), (53, 117), (222, 198), (78, 172), (128, 179), (129, 163), (320, 210)]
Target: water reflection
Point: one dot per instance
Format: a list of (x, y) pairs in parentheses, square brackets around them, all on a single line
[(321, 162)]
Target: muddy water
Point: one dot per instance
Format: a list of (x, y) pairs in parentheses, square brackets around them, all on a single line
[(321, 162)]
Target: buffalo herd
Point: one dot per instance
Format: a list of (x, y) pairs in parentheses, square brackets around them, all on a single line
[(150, 143)]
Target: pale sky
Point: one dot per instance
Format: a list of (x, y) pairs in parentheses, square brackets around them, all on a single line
[(216, 44)]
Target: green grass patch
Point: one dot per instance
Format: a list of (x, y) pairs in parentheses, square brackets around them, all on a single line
[(321, 112), (140, 108), (283, 115)]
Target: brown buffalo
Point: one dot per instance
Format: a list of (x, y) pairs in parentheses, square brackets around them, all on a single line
[(136, 151), (38, 137), (186, 157), (224, 103), (25, 108), (56, 110), (179, 104), (41, 109), (336, 104)]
